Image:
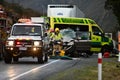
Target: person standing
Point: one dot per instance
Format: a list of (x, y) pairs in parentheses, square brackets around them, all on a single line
[(57, 37)]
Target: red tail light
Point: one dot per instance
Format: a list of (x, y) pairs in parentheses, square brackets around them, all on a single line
[(17, 43)]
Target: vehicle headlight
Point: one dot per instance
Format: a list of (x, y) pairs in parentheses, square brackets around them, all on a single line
[(10, 43), (36, 43), (71, 43)]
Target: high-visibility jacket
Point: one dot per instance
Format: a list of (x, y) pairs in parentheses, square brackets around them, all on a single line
[(51, 34), (57, 36)]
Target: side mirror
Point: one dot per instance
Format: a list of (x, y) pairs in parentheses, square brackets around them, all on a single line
[(45, 34)]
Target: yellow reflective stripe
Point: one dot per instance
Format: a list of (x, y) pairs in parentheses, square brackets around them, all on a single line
[(61, 20), (57, 19), (95, 49)]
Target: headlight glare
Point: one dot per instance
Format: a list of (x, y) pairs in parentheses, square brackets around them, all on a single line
[(36, 43), (10, 43)]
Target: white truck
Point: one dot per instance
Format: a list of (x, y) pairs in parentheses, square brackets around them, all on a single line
[(60, 10), (27, 40)]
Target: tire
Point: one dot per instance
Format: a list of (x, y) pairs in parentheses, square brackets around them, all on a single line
[(2, 52), (40, 59), (72, 52), (86, 55), (0, 56), (90, 53), (8, 58), (46, 57), (15, 59), (75, 54), (105, 49)]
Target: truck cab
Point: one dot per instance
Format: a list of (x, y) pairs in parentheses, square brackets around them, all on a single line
[(26, 40)]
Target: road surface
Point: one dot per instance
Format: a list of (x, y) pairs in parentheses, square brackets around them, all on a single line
[(29, 69)]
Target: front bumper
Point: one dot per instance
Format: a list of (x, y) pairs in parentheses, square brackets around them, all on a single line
[(24, 51), (82, 45)]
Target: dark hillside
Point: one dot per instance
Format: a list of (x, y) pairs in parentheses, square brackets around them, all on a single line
[(15, 11)]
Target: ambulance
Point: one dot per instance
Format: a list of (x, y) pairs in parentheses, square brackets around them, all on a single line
[(82, 35)]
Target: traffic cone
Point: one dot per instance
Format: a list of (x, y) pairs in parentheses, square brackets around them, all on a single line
[(106, 55)]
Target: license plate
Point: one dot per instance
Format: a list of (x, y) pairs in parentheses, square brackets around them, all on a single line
[(22, 48)]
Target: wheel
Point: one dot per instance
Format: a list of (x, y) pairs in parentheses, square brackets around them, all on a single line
[(105, 49), (15, 59), (85, 54), (0, 56), (40, 59), (46, 57), (71, 52), (89, 53), (8, 58), (1, 52), (75, 54)]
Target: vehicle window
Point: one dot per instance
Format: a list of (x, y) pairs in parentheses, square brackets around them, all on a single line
[(71, 31), (82, 28), (96, 29), (73, 27), (26, 30)]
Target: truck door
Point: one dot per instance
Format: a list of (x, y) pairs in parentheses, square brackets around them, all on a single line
[(96, 38)]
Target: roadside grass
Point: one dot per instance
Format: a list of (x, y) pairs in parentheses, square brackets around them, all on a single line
[(110, 71)]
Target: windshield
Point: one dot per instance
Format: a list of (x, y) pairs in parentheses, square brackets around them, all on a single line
[(67, 34), (71, 31), (29, 30)]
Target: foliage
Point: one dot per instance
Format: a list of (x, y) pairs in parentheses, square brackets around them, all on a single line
[(115, 6), (15, 11), (1, 1)]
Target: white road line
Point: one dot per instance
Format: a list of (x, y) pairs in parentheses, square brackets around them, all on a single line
[(32, 70), (76, 58)]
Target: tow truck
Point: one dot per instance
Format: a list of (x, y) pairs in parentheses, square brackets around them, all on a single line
[(27, 39)]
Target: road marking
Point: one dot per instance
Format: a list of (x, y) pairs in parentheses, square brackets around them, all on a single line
[(76, 58), (32, 70)]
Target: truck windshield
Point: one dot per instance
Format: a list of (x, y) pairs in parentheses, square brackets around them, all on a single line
[(72, 31), (29, 30), (68, 34)]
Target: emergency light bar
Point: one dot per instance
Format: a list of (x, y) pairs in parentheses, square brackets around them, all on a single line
[(24, 20)]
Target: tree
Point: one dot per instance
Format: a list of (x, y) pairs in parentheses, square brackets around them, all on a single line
[(1, 1), (115, 6)]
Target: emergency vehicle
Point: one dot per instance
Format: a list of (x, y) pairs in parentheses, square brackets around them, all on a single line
[(27, 39), (82, 35), (61, 10)]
